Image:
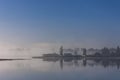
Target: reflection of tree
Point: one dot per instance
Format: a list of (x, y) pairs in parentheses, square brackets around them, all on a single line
[(84, 62), (91, 62), (76, 62), (108, 62), (105, 63), (118, 64), (61, 64)]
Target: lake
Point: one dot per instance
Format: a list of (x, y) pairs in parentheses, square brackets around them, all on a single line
[(63, 69)]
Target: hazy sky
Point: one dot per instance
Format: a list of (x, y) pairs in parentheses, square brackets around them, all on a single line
[(88, 23)]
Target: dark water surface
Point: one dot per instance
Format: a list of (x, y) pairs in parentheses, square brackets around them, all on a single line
[(55, 69)]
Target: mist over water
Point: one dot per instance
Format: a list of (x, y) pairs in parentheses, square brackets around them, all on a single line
[(53, 68)]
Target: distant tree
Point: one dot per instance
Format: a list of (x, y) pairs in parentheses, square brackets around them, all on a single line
[(84, 51), (61, 50), (105, 52), (118, 51), (97, 54), (76, 51), (112, 54)]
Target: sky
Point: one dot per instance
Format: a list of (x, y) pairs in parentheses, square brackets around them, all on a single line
[(80, 23)]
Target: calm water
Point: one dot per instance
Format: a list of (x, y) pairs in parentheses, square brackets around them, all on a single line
[(55, 69)]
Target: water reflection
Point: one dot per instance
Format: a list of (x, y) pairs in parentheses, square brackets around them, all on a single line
[(60, 69), (91, 62)]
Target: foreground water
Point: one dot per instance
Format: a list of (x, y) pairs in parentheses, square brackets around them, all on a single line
[(52, 69)]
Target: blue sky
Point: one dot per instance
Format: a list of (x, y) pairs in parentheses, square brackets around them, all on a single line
[(89, 23)]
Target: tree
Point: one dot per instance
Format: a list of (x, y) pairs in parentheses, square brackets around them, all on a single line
[(84, 51), (105, 52), (61, 50), (118, 51)]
